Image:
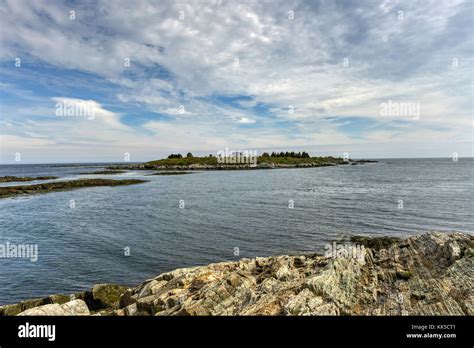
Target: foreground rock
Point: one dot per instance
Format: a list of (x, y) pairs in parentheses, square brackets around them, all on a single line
[(100, 297), (75, 307), (430, 274)]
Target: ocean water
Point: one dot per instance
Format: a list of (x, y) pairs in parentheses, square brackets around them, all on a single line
[(223, 210)]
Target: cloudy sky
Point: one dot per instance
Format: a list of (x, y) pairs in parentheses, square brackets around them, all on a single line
[(200, 76)]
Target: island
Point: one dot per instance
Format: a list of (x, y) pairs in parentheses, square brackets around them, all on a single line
[(239, 161), (428, 274), (8, 191)]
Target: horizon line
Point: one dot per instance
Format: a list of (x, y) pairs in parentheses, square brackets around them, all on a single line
[(134, 162)]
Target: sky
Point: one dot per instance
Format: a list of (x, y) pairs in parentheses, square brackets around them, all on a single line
[(142, 79)]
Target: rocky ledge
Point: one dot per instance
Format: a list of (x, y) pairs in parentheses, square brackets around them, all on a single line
[(8, 191), (429, 274), (10, 178)]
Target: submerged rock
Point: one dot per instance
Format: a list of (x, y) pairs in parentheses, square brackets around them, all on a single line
[(429, 274)]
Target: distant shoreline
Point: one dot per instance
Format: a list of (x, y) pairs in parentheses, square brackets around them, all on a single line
[(239, 161), (110, 163)]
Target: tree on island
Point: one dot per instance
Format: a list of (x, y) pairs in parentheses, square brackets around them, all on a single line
[(291, 154), (287, 154)]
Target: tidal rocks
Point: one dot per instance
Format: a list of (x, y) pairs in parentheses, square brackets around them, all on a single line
[(375, 243), (164, 172), (14, 309), (25, 178), (107, 295), (8, 191), (101, 297), (105, 172), (429, 274)]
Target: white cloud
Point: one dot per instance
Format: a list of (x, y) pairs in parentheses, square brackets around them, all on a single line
[(88, 109), (245, 120), (248, 49)]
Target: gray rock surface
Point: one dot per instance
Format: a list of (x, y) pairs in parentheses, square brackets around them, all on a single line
[(75, 307), (429, 274)]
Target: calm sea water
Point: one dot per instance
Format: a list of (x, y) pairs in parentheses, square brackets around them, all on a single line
[(223, 210)]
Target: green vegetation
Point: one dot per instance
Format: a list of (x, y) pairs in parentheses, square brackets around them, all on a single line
[(282, 158), (404, 275), (375, 243), (8, 191), (182, 161), (25, 178), (300, 160), (287, 154)]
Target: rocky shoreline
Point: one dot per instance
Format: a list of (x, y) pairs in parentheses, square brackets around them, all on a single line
[(212, 164), (9, 191), (429, 274), (198, 166), (10, 178)]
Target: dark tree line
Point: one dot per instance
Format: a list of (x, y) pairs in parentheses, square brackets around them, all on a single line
[(265, 154), (178, 155), (287, 154)]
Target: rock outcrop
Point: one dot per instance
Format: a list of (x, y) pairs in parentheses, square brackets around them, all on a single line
[(8, 191), (429, 274), (75, 307)]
